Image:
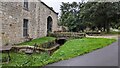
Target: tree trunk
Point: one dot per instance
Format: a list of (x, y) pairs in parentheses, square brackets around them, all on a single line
[(108, 27), (104, 27)]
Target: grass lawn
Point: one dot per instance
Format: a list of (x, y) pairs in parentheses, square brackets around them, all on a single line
[(21, 59), (77, 47), (38, 41), (70, 49)]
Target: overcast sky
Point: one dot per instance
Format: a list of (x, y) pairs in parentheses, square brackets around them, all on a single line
[(56, 3)]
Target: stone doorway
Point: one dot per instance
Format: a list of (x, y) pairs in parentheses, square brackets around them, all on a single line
[(49, 24)]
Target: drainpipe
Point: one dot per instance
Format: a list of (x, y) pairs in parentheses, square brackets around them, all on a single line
[(1, 30), (1, 12), (37, 20)]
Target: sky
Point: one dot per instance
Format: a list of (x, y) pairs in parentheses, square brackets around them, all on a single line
[(56, 3)]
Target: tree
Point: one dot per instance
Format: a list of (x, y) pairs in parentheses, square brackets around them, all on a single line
[(78, 16), (70, 16), (101, 14)]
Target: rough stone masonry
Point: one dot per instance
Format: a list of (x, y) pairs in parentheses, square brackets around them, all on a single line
[(21, 19)]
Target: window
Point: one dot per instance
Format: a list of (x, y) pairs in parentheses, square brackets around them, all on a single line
[(26, 4), (25, 27)]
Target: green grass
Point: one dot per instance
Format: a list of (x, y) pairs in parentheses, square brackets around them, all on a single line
[(38, 41), (77, 47), (70, 49), (21, 59)]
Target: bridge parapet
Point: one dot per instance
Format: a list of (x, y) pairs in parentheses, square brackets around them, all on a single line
[(68, 35)]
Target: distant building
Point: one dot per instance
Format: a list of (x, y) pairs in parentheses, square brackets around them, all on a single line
[(19, 20)]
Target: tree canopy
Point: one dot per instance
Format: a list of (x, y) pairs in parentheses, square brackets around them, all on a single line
[(100, 15)]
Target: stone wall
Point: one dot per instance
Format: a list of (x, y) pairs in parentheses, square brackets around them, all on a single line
[(44, 14), (12, 21)]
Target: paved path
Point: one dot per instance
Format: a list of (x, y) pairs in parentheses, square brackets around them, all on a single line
[(105, 36), (107, 56)]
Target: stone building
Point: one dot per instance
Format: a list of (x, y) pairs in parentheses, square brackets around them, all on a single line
[(19, 20)]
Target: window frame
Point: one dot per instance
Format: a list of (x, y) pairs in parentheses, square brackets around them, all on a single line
[(25, 27), (26, 5)]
